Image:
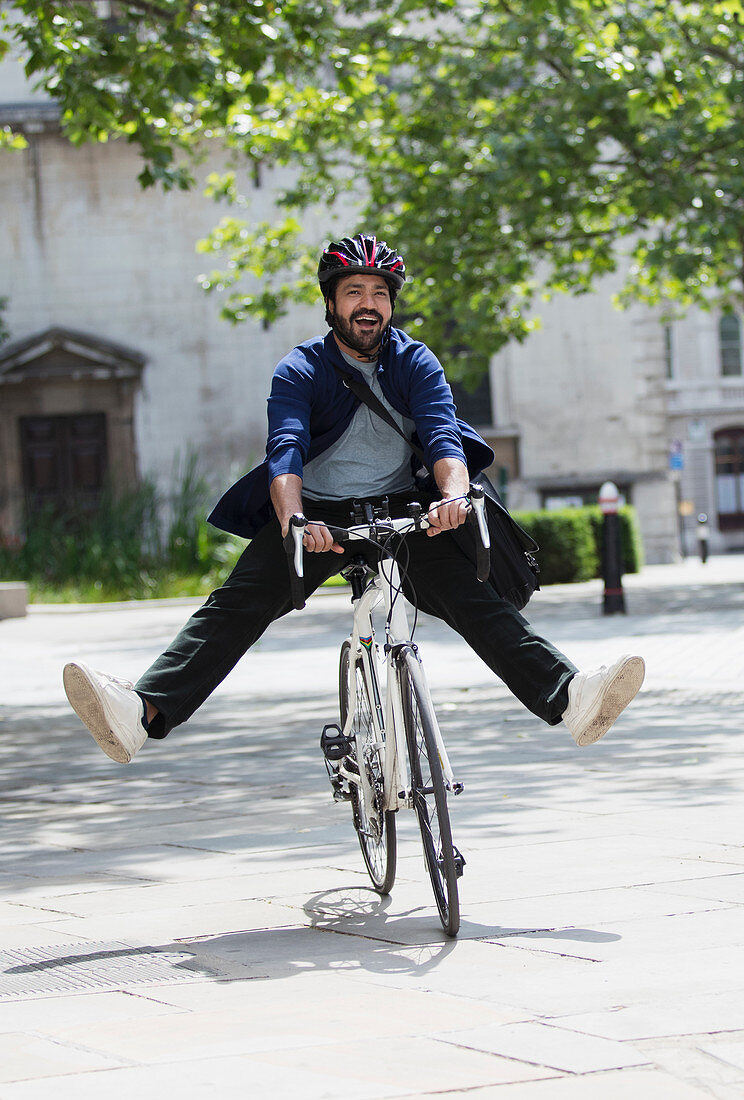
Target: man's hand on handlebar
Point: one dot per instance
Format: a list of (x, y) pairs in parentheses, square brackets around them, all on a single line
[(317, 538), (454, 484), (299, 534), (286, 496), (445, 515)]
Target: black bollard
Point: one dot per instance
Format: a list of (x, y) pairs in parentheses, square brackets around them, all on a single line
[(703, 535), (612, 554)]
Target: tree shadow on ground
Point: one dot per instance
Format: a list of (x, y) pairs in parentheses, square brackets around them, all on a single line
[(669, 749)]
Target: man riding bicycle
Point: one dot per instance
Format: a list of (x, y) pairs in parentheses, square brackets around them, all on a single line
[(325, 451)]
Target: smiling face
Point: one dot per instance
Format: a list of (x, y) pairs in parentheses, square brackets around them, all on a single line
[(361, 309)]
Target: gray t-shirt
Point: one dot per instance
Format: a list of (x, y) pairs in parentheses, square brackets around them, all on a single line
[(369, 459)]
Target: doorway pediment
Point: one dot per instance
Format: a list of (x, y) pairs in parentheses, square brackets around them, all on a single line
[(64, 353)]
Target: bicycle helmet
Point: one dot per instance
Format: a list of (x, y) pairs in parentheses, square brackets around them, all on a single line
[(362, 253)]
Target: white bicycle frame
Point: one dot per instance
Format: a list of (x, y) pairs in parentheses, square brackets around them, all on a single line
[(387, 716)]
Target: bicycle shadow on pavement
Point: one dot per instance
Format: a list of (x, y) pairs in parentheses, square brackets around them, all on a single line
[(271, 954), (350, 932), (360, 911), (356, 911), (337, 939), (262, 954)]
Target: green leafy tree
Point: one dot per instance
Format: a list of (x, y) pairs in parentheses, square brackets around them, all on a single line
[(522, 149), (170, 75), (512, 148), (531, 147)]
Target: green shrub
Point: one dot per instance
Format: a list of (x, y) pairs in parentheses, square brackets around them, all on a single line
[(112, 546), (568, 550), (570, 541), (192, 544), (123, 548)]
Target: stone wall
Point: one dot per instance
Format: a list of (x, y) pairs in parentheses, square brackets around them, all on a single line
[(586, 393)]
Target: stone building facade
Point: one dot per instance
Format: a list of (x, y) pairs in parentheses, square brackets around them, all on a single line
[(585, 395), (704, 391), (118, 364), (598, 394)]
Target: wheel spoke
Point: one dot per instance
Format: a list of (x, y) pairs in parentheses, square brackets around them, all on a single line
[(375, 827), (429, 796)]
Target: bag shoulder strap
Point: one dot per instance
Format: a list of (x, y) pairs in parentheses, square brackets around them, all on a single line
[(362, 391)]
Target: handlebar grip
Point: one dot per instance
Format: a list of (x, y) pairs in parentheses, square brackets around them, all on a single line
[(483, 541), (341, 535), (293, 548)]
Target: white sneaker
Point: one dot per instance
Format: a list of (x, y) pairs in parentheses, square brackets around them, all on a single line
[(110, 708), (596, 699)]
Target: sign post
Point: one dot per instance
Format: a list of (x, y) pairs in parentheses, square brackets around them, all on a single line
[(677, 465)]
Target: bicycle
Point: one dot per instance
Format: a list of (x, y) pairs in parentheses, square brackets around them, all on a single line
[(388, 752)]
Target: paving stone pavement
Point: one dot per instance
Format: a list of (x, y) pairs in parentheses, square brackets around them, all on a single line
[(199, 922)]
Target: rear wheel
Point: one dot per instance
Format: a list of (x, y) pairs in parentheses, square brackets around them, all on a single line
[(443, 862), (375, 826)]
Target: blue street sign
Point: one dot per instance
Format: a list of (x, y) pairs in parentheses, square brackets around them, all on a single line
[(676, 457)]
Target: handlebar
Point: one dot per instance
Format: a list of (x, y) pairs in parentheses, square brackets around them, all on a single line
[(378, 529), (293, 549)]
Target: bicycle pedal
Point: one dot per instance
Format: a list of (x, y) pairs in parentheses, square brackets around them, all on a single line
[(459, 861), (334, 745)]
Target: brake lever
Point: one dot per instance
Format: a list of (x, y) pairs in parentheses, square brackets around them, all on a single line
[(293, 549), (483, 556)]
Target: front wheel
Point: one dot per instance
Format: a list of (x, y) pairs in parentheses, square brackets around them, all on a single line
[(443, 863), (375, 826)]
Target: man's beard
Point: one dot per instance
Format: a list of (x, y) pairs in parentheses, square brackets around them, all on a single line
[(364, 342)]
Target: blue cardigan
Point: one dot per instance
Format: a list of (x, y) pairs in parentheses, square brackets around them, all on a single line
[(309, 409)]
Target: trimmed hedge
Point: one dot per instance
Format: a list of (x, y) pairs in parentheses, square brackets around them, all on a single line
[(570, 541), (630, 537)]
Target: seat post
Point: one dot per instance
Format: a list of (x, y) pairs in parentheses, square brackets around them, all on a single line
[(356, 575)]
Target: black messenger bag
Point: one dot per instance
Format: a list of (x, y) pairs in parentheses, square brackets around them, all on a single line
[(514, 570)]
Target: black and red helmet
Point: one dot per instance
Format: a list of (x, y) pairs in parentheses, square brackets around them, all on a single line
[(361, 254)]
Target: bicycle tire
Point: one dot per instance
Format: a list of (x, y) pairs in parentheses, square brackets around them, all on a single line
[(378, 843), (429, 793)]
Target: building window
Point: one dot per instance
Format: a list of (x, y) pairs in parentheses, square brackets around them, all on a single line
[(64, 460), (729, 452), (474, 402), (729, 342)]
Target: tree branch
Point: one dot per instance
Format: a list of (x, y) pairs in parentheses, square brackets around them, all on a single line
[(707, 47)]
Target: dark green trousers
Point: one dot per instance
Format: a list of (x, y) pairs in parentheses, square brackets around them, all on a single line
[(440, 580)]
